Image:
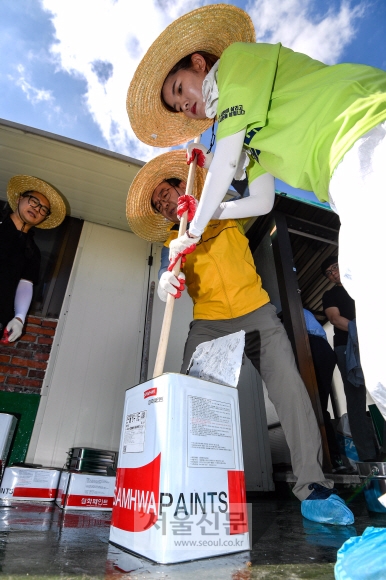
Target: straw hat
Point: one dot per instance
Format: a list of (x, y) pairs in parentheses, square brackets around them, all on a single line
[(142, 218), (19, 184), (211, 29)]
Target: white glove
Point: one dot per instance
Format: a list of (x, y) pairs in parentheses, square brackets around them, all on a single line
[(204, 159), (169, 284), (15, 328), (181, 246)]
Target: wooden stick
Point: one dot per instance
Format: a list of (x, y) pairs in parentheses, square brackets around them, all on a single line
[(167, 321)]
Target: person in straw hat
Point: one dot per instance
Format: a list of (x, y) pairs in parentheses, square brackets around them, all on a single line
[(317, 127), (34, 203), (228, 296)]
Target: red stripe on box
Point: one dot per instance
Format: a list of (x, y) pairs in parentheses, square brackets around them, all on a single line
[(88, 501), (237, 503), (137, 497), (34, 492)]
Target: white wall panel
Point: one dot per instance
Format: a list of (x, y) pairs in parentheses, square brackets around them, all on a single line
[(97, 348)]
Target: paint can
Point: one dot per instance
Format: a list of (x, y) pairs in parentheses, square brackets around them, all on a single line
[(85, 491), (33, 484), (180, 490)]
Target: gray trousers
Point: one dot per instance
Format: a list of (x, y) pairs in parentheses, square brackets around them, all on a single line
[(269, 349), (360, 424)]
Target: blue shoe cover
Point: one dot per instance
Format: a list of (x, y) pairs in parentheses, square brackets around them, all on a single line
[(332, 510), (363, 558)]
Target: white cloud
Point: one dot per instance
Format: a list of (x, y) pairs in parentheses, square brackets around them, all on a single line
[(295, 24), (103, 41), (117, 34), (33, 94)]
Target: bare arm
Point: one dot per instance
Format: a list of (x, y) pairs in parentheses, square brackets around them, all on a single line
[(333, 315)]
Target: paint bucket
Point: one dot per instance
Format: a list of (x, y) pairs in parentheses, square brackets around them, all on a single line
[(180, 490), (373, 475), (85, 491), (33, 484)]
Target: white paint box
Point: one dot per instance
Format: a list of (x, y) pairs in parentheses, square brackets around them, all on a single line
[(27, 483), (84, 491), (180, 490)]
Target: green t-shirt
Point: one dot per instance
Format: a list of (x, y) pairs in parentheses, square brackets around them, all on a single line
[(301, 116)]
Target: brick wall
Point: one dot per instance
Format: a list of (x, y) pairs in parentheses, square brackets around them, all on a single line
[(23, 363)]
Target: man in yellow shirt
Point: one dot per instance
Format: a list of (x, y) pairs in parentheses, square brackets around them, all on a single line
[(228, 297)]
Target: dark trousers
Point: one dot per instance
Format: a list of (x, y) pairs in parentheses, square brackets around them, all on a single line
[(360, 425), (324, 359)]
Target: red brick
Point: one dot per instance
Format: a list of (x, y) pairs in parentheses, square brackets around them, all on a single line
[(42, 340), (41, 356), (24, 382), (36, 347), (50, 323), (2, 378), (5, 348), (36, 374), (42, 348), (28, 338), (23, 362), (4, 358), (39, 330), (34, 320), (23, 352), (17, 371)]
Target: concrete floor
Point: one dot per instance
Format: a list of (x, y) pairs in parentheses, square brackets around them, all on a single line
[(41, 541)]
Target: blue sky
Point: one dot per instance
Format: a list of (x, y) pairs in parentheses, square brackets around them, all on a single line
[(66, 64)]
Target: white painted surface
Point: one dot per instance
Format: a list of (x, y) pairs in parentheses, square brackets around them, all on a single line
[(97, 348)]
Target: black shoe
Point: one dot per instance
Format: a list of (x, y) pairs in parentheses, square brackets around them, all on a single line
[(338, 466), (320, 492)]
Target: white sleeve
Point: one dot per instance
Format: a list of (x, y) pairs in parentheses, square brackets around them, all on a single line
[(23, 297), (218, 180), (259, 202)]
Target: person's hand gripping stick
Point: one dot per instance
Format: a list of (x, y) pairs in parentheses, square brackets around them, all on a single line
[(186, 243)]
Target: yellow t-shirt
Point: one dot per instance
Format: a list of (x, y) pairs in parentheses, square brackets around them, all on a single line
[(221, 276)]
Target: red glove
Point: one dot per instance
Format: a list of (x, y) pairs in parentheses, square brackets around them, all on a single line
[(186, 203), (204, 158), (4, 339)]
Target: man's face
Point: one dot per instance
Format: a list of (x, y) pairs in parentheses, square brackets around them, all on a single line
[(165, 199), (332, 273), (30, 208)]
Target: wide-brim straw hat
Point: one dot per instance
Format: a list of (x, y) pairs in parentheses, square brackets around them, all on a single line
[(19, 184), (211, 29), (143, 219)]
